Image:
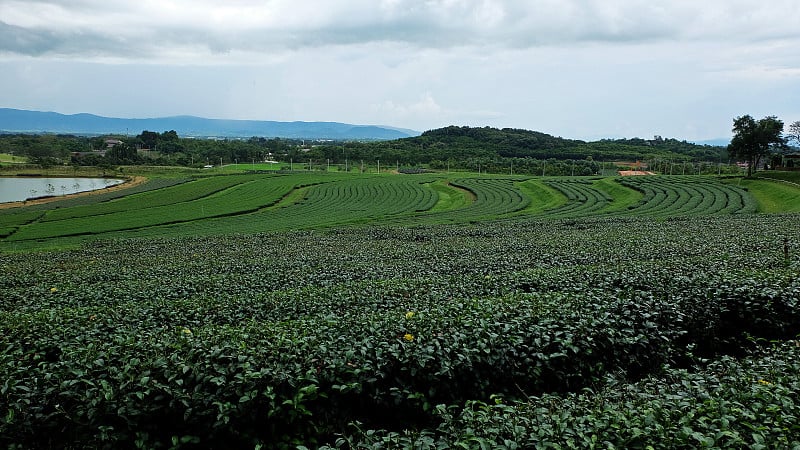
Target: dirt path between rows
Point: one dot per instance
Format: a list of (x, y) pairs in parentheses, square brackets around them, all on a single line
[(128, 183)]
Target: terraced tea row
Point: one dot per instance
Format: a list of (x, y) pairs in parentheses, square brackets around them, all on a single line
[(186, 192), (490, 198), (236, 195), (255, 203), (334, 203), (12, 218), (686, 196), (583, 198)]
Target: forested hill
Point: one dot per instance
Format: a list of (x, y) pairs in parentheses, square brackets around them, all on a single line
[(486, 149), (461, 144), (507, 142), (515, 143)]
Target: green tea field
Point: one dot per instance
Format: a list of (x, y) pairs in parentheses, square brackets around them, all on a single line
[(241, 204), (431, 311)]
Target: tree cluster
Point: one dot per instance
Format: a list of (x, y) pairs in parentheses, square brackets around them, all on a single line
[(754, 140)]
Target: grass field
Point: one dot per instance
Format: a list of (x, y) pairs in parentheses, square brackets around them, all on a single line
[(776, 192), (6, 158), (253, 167)]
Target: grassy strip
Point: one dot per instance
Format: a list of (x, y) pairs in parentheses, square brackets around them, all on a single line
[(621, 196), (293, 197), (7, 158), (542, 196), (774, 196), (792, 177), (449, 197)]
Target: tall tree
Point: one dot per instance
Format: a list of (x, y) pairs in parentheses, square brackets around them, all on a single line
[(149, 138), (794, 132), (755, 139)]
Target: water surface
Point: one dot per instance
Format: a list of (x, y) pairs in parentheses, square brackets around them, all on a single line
[(15, 189)]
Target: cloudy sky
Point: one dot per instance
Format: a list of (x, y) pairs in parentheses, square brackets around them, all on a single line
[(583, 69)]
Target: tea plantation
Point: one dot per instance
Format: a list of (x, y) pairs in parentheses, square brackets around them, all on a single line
[(477, 312), (252, 203)]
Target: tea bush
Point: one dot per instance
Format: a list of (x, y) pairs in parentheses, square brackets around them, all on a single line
[(612, 332)]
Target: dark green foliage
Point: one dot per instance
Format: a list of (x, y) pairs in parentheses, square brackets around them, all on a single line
[(731, 403), (755, 139), (496, 151), (465, 148), (122, 153), (47, 146), (525, 332)]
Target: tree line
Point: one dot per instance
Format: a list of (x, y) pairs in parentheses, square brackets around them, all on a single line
[(459, 148)]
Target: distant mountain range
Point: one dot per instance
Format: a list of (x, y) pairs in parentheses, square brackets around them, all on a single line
[(23, 121)]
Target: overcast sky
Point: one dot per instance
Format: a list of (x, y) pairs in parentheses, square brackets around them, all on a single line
[(579, 69)]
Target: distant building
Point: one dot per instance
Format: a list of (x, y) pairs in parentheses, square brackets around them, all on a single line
[(110, 143)]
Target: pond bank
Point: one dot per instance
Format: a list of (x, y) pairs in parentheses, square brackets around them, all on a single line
[(127, 182)]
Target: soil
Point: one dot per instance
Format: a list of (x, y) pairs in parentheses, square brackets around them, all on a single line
[(629, 173)]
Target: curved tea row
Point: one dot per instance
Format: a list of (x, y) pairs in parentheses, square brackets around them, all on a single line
[(256, 202)]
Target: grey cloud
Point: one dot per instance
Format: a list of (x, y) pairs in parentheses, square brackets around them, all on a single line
[(38, 42), (114, 29), (14, 39)]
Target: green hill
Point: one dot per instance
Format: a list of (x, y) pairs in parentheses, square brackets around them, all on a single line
[(460, 145)]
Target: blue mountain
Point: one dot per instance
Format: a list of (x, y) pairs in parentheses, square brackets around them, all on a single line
[(23, 121)]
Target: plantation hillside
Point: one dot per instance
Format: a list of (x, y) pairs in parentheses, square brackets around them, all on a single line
[(246, 308), (240, 203)]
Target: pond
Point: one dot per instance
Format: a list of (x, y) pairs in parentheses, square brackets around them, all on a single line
[(17, 189)]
